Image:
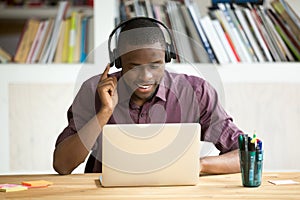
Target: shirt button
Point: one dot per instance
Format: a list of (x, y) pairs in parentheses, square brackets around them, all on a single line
[(142, 115)]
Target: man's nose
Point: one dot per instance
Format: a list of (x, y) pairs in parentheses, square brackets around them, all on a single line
[(145, 73)]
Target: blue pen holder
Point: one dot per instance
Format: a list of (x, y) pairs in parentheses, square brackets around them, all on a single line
[(251, 163)]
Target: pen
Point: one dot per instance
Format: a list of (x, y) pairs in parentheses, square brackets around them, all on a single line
[(244, 160), (242, 155), (246, 140), (251, 163), (241, 142), (259, 163)]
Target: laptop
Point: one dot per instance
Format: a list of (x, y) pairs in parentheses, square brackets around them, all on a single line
[(150, 154)]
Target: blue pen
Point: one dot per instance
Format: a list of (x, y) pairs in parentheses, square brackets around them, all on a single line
[(259, 163)]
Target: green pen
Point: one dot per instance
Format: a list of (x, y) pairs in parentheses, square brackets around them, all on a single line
[(242, 155), (244, 161), (251, 163)]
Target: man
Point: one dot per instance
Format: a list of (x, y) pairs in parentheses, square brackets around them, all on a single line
[(144, 92)]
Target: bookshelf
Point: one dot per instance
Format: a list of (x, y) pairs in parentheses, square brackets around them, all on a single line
[(21, 96), (38, 12)]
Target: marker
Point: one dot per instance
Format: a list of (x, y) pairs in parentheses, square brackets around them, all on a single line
[(254, 138), (241, 142), (251, 163), (246, 140), (242, 155), (244, 158), (258, 164)]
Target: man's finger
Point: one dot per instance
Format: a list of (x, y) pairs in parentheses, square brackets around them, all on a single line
[(105, 73)]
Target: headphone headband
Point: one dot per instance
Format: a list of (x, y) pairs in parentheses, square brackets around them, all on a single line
[(170, 50)]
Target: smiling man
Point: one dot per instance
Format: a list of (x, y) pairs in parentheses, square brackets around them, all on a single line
[(144, 92)]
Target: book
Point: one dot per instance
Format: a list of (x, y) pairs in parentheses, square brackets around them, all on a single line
[(265, 35), (35, 42), (4, 56), (60, 44), (221, 34), (246, 26), (291, 12), (149, 8), (90, 40), (241, 33), (77, 47), (183, 46), (235, 35), (65, 52), (287, 30), (258, 35), (216, 14), (45, 41), (200, 55), (282, 12), (26, 40), (279, 27), (50, 50), (196, 16), (214, 40), (122, 10), (280, 55), (39, 42), (72, 37), (83, 41), (283, 45), (215, 2)]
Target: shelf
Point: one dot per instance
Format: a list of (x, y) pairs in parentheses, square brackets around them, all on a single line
[(246, 72), (39, 12)]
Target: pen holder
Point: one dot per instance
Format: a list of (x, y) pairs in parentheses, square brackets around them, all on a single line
[(251, 163)]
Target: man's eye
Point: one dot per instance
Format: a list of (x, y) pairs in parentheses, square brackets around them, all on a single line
[(155, 66)]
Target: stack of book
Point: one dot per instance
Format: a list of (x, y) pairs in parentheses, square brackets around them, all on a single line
[(65, 39), (228, 32)]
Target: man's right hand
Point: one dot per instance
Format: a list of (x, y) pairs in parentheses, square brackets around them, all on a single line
[(107, 91)]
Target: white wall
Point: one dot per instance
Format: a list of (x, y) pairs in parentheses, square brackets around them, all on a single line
[(35, 106)]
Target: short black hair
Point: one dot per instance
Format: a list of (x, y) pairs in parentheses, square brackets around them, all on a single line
[(140, 31)]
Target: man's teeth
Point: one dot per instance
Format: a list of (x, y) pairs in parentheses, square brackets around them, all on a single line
[(144, 86)]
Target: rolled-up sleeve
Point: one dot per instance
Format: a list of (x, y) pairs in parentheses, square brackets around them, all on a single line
[(82, 109), (217, 125)]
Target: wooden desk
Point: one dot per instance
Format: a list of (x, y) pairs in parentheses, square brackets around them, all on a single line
[(87, 186)]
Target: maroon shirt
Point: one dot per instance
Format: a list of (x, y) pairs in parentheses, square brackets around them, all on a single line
[(179, 99)]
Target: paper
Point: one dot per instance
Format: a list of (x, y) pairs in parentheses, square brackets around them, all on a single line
[(12, 187), (36, 184), (283, 182)]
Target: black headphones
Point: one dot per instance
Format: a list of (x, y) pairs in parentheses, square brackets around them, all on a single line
[(115, 58)]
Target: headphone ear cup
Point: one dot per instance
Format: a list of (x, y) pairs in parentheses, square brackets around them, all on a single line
[(172, 52), (118, 63), (117, 59), (167, 54)]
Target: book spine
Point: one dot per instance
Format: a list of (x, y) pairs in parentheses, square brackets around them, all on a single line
[(249, 34), (224, 41), (214, 40), (195, 16), (83, 40), (258, 35), (245, 56), (72, 38)]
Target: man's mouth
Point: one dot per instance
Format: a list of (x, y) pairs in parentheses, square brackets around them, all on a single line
[(144, 86)]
